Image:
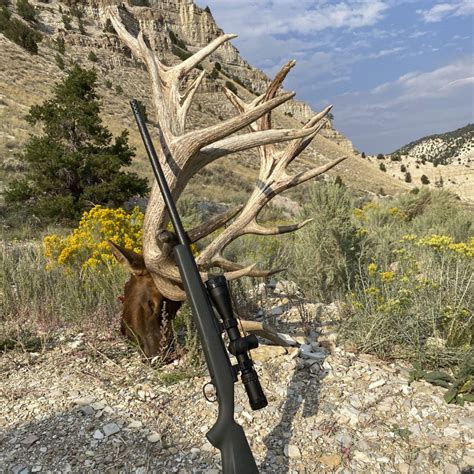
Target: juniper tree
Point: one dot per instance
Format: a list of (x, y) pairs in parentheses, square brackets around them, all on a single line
[(76, 162)]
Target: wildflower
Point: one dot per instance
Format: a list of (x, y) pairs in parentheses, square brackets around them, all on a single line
[(372, 268), (387, 277)]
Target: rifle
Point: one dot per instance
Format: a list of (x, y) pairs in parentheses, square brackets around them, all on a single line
[(226, 434)]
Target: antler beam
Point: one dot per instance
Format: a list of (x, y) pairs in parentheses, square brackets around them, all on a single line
[(184, 154)]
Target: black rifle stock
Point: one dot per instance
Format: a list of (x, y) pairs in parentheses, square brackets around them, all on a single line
[(226, 434)]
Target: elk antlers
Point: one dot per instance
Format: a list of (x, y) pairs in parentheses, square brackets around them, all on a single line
[(184, 154)]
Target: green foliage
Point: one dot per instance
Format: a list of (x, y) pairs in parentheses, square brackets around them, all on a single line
[(16, 31), (382, 167), (59, 61), (80, 24), (460, 388), (109, 28), (108, 83), (92, 57), (403, 169), (33, 296), (67, 22), (424, 179), (182, 54), (322, 257), (413, 294), (214, 74), (75, 163), (380, 156), (26, 10), (60, 45), (408, 177), (140, 3), (176, 41), (118, 89), (217, 65), (231, 86)]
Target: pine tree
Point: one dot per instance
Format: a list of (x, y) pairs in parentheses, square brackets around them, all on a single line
[(75, 163)]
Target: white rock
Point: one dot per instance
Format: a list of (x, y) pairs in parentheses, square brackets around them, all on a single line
[(307, 353), (376, 384), (135, 424), (98, 434), (451, 432), (292, 451), (83, 401), (111, 429), (154, 437)]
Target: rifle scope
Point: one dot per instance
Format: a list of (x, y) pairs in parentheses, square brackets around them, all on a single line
[(238, 346)]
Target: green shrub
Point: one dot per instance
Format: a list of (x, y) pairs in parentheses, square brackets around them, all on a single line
[(35, 296), (413, 296), (26, 10), (415, 303), (231, 86), (59, 61), (67, 22), (76, 161), (16, 31), (92, 57), (109, 28), (60, 45), (108, 83), (323, 256), (118, 89), (382, 167)]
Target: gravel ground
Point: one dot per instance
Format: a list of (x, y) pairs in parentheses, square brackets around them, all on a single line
[(91, 405)]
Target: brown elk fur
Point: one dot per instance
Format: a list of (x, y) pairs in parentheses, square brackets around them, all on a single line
[(147, 314)]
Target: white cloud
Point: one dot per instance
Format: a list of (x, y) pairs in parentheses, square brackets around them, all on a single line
[(414, 105), (443, 10), (296, 16)]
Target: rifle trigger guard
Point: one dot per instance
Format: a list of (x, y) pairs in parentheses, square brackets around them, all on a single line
[(206, 396)]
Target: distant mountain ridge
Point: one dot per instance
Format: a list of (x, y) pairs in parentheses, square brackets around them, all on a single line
[(456, 147)]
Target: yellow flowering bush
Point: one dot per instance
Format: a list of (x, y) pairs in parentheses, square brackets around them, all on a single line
[(87, 247), (444, 242), (421, 289)]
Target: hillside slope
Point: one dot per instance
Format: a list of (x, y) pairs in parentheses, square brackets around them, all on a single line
[(456, 147), (176, 28)]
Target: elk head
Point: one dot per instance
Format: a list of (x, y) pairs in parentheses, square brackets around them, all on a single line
[(183, 154)]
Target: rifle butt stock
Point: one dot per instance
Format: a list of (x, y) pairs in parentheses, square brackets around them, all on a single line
[(226, 435)]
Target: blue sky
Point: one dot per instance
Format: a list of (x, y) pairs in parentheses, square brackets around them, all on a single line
[(395, 70)]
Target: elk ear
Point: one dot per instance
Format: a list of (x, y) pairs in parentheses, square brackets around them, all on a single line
[(133, 261)]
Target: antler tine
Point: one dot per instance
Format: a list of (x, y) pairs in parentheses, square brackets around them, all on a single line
[(255, 228), (312, 173), (265, 122), (249, 271), (194, 141), (186, 66), (187, 98), (251, 140), (208, 227), (295, 148)]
